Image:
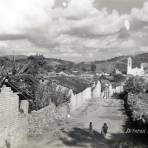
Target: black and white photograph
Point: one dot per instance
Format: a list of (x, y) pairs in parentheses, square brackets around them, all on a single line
[(73, 74)]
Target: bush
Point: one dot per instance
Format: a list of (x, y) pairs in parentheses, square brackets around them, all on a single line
[(45, 94), (135, 85), (93, 67)]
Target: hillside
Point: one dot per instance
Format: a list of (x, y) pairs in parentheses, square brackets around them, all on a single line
[(33, 64), (120, 63), (28, 72)]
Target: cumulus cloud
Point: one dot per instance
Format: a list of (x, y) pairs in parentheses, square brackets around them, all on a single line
[(36, 18), (141, 14), (70, 30), (127, 24), (19, 15)]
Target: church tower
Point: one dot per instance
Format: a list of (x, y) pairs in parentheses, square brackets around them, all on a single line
[(129, 65), (142, 68)]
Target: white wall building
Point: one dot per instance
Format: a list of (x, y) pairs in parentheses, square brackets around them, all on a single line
[(134, 71)]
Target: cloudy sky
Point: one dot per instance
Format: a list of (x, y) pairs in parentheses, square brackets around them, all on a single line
[(74, 29)]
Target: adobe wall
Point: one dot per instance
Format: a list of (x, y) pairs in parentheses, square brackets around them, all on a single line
[(81, 99), (96, 90), (76, 100), (12, 124)]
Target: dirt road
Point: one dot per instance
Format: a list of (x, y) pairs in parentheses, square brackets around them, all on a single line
[(100, 111), (74, 131)]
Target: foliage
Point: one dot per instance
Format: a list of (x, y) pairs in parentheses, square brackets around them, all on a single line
[(75, 83), (93, 67), (45, 94), (118, 78), (38, 59), (59, 97), (60, 68), (135, 85), (36, 63), (139, 105), (25, 83), (64, 67), (42, 96)]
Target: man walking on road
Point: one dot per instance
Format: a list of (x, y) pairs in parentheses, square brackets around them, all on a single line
[(90, 127), (104, 129)]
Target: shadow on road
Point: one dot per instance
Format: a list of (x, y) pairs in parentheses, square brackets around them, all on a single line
[(128, 141), (78, 137), (82, 138)]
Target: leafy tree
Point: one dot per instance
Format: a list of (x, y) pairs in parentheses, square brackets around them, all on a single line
[(60, 68), (36, 62), (42, 96), (135, 85), (93, 67), (103, 69), (84, 69), (118, 78)]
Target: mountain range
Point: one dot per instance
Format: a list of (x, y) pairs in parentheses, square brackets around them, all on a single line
[(51, 64)]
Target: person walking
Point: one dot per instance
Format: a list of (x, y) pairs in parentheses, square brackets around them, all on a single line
[(90, 127), (7, 144), (104, 129)]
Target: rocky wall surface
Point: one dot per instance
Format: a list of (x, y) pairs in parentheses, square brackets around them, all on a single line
[(96, 90), (13, 125), (42, 120)]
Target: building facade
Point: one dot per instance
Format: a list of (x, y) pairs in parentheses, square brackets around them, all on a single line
[(134, 71)]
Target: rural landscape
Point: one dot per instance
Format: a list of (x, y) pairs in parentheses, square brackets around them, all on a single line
[(51, 102), (73, 74)]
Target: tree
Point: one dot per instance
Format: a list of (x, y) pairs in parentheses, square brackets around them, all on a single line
[(84, 69), (42, 96), (135, 85), (103, 69), (93, 67), (60, 68)]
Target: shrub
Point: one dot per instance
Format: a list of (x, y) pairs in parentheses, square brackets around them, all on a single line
[(135, 85)]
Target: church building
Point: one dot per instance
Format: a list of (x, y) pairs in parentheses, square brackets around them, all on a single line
[(134, 71)]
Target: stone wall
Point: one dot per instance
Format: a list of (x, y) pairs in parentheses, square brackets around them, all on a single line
[(12, 123), (43, 120), (80, 99), (15, 125), (96, 90), (77, 100)]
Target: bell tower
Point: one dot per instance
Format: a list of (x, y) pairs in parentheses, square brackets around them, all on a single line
[(142, 68), (129, 65)]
